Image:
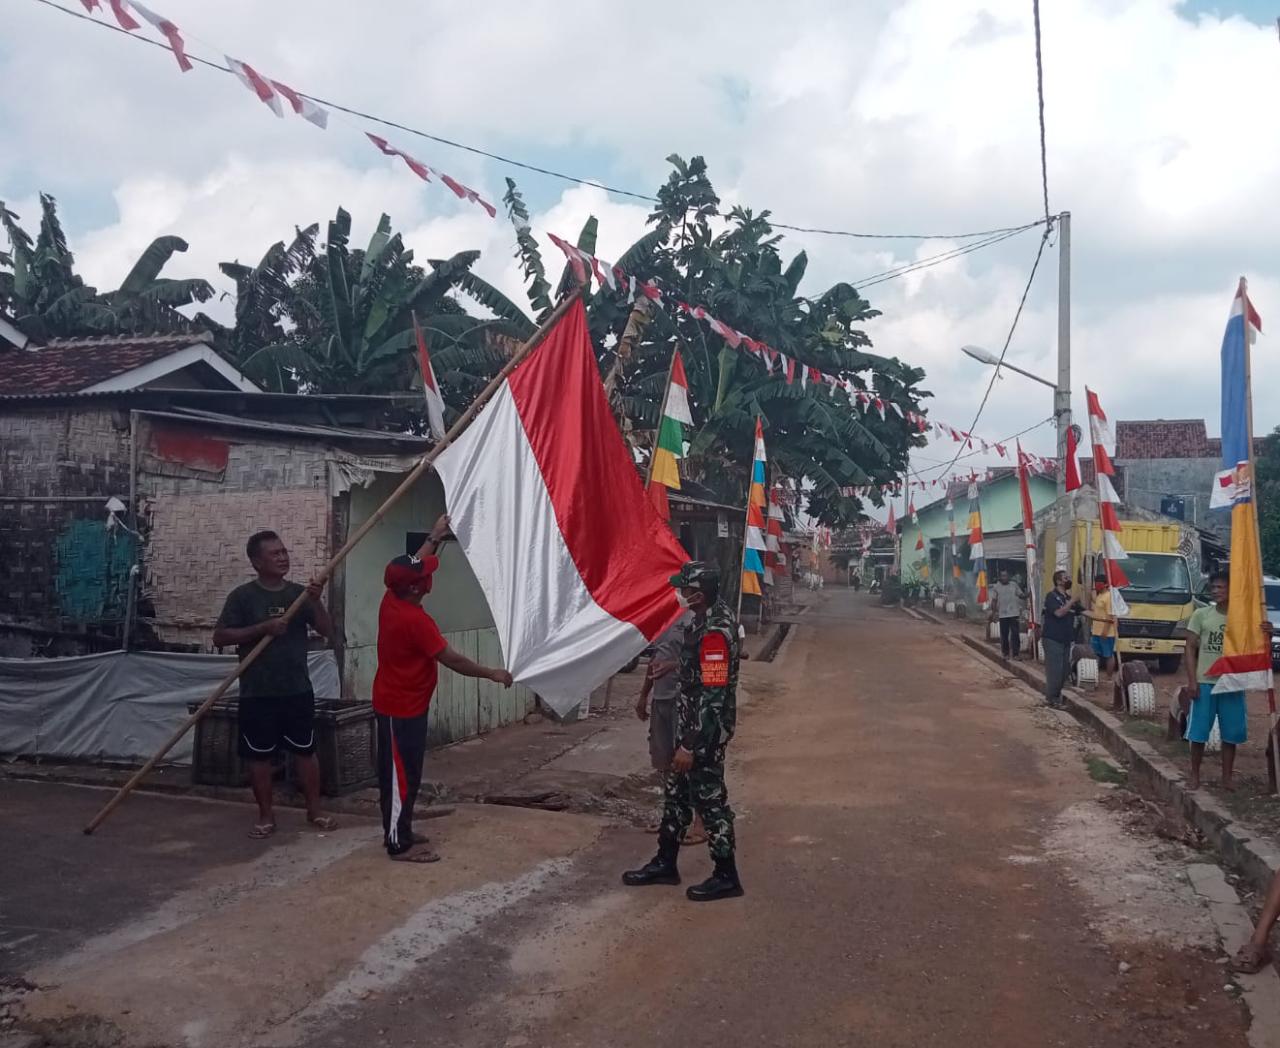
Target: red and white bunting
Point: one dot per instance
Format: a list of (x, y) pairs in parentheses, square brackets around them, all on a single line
[(424, 172), (303, 106), (124, 10)]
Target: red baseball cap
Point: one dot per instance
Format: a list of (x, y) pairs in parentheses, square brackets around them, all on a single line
[(408, 571)]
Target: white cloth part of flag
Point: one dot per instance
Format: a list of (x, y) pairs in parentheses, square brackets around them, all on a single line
[(165, 28), (1118, 606), (256, 83), (755, 538), (775, 510), (303, 106), (1111, 546), (678, 404), (604, 273), (1230, 486), (1100, 433), (1106, 490)]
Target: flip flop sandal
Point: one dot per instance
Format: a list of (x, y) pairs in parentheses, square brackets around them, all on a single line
[(262, 831), (324, 822), (418, 853), (1250, 959)]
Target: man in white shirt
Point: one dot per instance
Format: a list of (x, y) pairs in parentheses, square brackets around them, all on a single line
[(1006, 607)]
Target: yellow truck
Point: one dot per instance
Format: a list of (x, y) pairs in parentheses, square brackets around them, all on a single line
[(1161, 589)]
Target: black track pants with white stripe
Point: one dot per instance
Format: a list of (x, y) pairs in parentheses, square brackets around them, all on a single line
[(402, 747)]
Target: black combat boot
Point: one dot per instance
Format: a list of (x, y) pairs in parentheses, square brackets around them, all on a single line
[(661, 869), (723, 884)]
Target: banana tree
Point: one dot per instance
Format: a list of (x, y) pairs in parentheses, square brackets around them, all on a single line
[(40, 288)]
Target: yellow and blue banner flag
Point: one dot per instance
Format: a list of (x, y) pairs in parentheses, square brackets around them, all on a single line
[(1245, 664)]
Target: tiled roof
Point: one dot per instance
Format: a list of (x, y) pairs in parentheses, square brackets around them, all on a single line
[(73, 364), (1165, 439)]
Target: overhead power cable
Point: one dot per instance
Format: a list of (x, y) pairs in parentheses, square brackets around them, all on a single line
[(537, 169), (995, 371), (1044, 162)]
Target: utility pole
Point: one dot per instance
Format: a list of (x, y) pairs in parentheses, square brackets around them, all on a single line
[(1062, 391)]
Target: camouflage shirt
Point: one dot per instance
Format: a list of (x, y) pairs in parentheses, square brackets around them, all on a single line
[(707, 709)]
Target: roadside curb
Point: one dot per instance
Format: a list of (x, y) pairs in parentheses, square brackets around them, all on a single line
[(1237, 843)]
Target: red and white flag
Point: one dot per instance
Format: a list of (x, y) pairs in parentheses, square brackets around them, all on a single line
[(1028, 532), (430, 387), (1072, 466), (1103, 453), (549, 509)]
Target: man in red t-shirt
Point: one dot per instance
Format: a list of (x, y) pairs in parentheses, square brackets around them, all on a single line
[(410, 647)]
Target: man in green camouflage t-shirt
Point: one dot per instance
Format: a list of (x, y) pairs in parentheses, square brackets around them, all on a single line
[(706, 715)]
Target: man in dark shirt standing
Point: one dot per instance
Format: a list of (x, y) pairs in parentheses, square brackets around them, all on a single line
[(277, 706), (1058, 633)]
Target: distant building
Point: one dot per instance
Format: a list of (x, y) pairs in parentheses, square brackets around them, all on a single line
[(1167, 467)]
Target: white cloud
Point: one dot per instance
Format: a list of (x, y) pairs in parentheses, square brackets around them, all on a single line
[(889, 116)]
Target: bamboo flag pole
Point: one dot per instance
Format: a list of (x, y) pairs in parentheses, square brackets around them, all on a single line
[(1253, 508), (410, 479)]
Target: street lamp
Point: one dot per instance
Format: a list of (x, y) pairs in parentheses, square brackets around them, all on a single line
[(1062, 413), (982, 356)]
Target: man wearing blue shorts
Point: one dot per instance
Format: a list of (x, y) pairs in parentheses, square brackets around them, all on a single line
[(1102, 625), (1205, 632)]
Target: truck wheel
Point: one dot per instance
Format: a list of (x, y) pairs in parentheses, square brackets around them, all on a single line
[(1169, 663)]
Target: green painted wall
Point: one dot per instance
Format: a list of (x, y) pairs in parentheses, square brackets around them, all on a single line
[(1001, 508), (462, 707)]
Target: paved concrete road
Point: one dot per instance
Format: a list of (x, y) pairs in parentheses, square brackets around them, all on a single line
[(927, 862)]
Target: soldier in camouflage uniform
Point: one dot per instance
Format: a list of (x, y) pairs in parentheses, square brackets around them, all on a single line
[(707, 713)]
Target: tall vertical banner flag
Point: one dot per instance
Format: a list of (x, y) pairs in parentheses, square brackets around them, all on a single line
[(951, 529), (1245, 664), (1028, 531), (774, 557), (552, 517), (668, 449), (430, 387), (1104, 450), (976, 553), (755, 544)]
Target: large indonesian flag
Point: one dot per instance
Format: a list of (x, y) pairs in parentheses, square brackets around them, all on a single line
[(551, 514), (1245, 664)]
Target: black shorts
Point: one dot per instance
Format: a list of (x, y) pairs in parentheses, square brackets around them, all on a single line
[(272, 722)]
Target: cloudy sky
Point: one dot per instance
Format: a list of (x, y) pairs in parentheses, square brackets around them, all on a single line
[(914, 116)]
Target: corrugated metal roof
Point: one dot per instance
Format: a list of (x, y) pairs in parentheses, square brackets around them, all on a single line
[(195, 417)]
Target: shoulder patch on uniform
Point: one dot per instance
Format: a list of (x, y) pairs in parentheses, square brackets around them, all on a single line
[(713, 659)]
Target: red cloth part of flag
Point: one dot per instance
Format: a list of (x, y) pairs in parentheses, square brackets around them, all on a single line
[(1072, 465), (416, 166), (658, 497), (120, 8), (1095, 408), (573, 255), (91, 5), (258, 84), (1115, 574), (169, 31)]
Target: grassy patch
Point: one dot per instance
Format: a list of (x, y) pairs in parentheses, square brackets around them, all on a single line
[(1143, 729), (1102, 770)]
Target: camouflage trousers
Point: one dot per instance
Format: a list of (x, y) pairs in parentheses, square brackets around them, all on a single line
[(701, 790)]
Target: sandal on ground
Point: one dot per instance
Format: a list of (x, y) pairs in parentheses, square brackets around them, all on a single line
[(1250, 959), (261, 831), (323, 822), (416, 853)]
